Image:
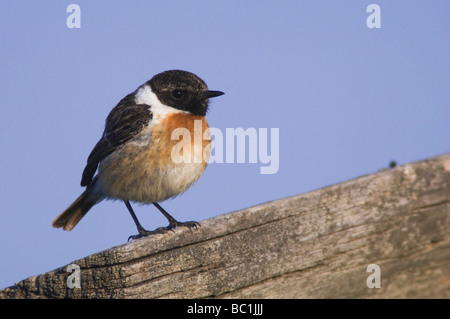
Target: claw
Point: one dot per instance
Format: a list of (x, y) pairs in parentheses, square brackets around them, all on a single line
[(161, 230)]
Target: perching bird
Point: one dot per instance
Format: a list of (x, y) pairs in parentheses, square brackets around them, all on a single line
[(138, 158)]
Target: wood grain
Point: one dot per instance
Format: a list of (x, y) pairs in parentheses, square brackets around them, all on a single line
[(313, 245)]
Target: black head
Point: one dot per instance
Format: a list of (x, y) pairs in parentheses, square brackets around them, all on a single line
[(182, 90)]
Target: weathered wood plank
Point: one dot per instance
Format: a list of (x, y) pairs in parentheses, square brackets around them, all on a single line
[(314, 245)]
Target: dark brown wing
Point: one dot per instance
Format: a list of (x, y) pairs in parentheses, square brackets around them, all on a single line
[(124, 122)]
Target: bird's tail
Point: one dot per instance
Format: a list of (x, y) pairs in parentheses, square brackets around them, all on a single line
[(69, 218)]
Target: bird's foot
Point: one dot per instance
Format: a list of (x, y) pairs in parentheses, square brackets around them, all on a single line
[(174, 224), (162, 230)]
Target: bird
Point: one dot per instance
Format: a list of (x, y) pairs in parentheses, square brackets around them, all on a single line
[(134, 159)]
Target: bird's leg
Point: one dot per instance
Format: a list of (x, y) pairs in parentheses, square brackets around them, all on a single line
[(142, 231), (173, 222)]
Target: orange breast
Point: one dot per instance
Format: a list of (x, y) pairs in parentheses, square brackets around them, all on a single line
[(180, 129)]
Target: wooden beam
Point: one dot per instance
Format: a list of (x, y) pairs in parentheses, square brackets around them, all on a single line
[(313, 245)]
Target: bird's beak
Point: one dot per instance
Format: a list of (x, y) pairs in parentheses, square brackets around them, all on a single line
[(211, 94)]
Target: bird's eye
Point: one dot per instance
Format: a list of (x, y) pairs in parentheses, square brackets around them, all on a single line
[(177, 94)]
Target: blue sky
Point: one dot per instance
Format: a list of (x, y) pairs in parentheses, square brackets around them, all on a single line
[(346, 100)]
